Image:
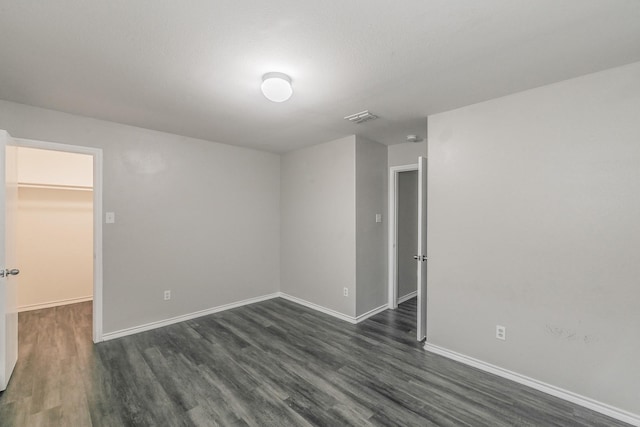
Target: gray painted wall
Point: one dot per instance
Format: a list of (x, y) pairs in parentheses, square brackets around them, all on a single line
[(318, 235), (534, 208), (196, 217), (407, 232), (406, 153), (331, 193), (371, 237)]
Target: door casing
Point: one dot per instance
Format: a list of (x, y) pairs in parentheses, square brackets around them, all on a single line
[(394, 171), (421, 255), (96, 153)]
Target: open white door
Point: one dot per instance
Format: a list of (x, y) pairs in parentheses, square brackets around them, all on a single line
[(421, 256), (8, 272)]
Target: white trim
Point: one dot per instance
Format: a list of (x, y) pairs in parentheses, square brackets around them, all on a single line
[(319, 308), (166, 322), (421, 310), (372, 312), (408, 297), (31, 307), (572, 397), (330, 312), (97, 237), (97, 218), (393, 229), (56, 146)]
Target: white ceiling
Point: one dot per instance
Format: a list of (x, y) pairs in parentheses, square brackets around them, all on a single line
[(194, 67)]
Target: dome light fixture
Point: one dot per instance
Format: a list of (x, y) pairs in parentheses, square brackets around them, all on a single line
[(276, 87)]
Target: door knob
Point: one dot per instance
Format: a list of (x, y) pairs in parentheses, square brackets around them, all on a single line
[(420, 257), (12, 272)]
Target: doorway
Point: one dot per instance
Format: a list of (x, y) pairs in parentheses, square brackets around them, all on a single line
[(403, 233), (66, 205), (407, 235), (404, 207), (54, 228)]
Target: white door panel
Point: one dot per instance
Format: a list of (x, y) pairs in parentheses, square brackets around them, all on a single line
[(421, 256), (8, 267)]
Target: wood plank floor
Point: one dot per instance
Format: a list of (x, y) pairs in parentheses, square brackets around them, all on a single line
[(273, 363)]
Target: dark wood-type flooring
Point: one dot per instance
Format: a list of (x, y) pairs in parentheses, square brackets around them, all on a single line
[(273, 363)]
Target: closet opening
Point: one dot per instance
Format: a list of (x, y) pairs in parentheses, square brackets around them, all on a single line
[(59, 228), (54, 228)]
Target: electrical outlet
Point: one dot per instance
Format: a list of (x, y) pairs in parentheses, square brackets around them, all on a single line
[(501, 332), (345, 292), (167, 295)]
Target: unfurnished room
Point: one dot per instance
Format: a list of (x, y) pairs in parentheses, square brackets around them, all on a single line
[(334, 213)]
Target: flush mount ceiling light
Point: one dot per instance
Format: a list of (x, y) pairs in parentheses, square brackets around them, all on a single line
[(276, 87)]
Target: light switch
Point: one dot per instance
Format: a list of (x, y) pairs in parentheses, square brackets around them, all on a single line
[(110, 217), (378, 217)]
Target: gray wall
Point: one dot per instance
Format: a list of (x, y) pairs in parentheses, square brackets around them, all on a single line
[(331, 193), (534, 208), (407, 233), (196, 217), (371, 237), (318, 234), (406, 153)]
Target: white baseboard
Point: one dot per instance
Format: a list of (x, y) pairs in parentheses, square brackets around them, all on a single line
[(407, 297), (370, 313), (587, 402), (171, 321), (50, 304), (319, 308), (182, 318), (330, 312)]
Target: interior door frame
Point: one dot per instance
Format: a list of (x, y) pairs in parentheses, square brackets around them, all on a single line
[(421, 311), (394, 171), (97, 218)]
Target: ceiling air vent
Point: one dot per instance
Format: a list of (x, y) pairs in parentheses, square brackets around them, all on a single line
[(361, 117)]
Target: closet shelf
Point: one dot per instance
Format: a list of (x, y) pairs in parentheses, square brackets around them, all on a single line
[(54, 186)]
